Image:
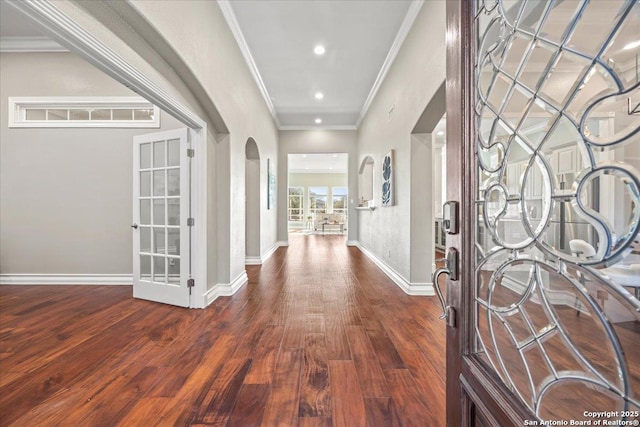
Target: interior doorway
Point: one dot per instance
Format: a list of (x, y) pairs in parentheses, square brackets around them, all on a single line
[(252, 202), (318, 193), (439, 184)]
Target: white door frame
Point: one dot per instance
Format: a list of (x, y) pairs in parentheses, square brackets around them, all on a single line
[(79, 41)]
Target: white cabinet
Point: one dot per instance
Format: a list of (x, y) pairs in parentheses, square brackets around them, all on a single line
[(515, 174), (563, 160)]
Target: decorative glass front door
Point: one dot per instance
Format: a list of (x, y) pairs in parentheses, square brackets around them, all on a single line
[(557, 209)]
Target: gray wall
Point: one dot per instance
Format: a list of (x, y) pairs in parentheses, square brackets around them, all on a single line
[(412, 81), (66, 194), (327, 141)]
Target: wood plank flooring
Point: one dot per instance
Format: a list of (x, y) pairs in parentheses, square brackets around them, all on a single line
[(318, 337)]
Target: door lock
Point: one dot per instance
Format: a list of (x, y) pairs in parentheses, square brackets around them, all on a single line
[(450, 214), (451, 269)]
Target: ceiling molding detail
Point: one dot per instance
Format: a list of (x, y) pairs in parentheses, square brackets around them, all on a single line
[(230, 17), (412, 13), (29, 44), (319, 127)]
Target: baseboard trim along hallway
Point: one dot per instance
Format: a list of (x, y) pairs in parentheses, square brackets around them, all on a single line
[(411, 288), (66, 279)]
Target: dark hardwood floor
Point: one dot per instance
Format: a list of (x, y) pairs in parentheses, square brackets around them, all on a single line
[(318, 337)]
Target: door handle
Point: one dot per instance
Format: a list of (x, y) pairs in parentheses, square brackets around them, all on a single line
[(134, 225), (451, 269)]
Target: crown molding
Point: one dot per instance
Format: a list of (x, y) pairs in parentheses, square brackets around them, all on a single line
[(230, 17), (409, 18), (29, 44)]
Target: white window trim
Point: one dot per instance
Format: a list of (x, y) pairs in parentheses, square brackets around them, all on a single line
[(301, 208), (346, 198), (19, 105)]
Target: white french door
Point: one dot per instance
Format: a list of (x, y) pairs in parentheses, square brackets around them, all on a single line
[(161, 206)]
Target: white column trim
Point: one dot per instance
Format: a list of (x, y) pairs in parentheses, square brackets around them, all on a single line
[(225, 289)]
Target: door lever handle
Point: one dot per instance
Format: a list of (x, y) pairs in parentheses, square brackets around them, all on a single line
[(451, 269), (135, 226), (436, 275)]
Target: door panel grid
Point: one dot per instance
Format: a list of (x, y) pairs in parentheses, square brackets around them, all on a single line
[(162, 200)]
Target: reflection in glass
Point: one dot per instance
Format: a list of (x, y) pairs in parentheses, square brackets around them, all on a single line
[(143, 114), (173, 182), (158, 154), (158, 183), (145, 156), (145, 211), (57, 114), (100, 114), (173, 211), (145, 267), (122, 114), (77, 114), (159, 269), (158, 212), (173, 239), (159, 240), (173, 148), (35, 114), (145, 184), (145, 239), (173, 275)]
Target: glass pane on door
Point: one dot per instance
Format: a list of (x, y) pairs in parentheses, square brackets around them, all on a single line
[(557, 280), (159, 214)]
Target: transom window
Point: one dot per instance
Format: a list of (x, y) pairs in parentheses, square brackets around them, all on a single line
[(66, 112)]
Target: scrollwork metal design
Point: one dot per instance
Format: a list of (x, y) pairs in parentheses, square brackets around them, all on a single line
[(548, 74)]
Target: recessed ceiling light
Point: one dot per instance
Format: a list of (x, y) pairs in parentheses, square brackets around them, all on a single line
[(632, 45), (319, 95), (318, 120), (319, 50), (335, 155), (440, 133), (304, 155)]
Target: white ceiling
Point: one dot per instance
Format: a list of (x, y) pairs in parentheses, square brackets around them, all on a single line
[(361, 38), (318, 163)]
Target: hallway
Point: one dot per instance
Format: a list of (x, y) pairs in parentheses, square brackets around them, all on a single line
[(318, 337)]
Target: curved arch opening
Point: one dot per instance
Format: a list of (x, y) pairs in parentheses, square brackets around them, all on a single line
[(252, 202), (365, 181)]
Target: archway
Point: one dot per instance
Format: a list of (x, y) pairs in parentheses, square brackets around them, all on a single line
[(252, 203)]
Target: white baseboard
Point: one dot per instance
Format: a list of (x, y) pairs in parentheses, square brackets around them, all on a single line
[(353, 243), (66, 279), (259, 260), (225, 289), (283, 243), (252, 260), (419, 289)]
